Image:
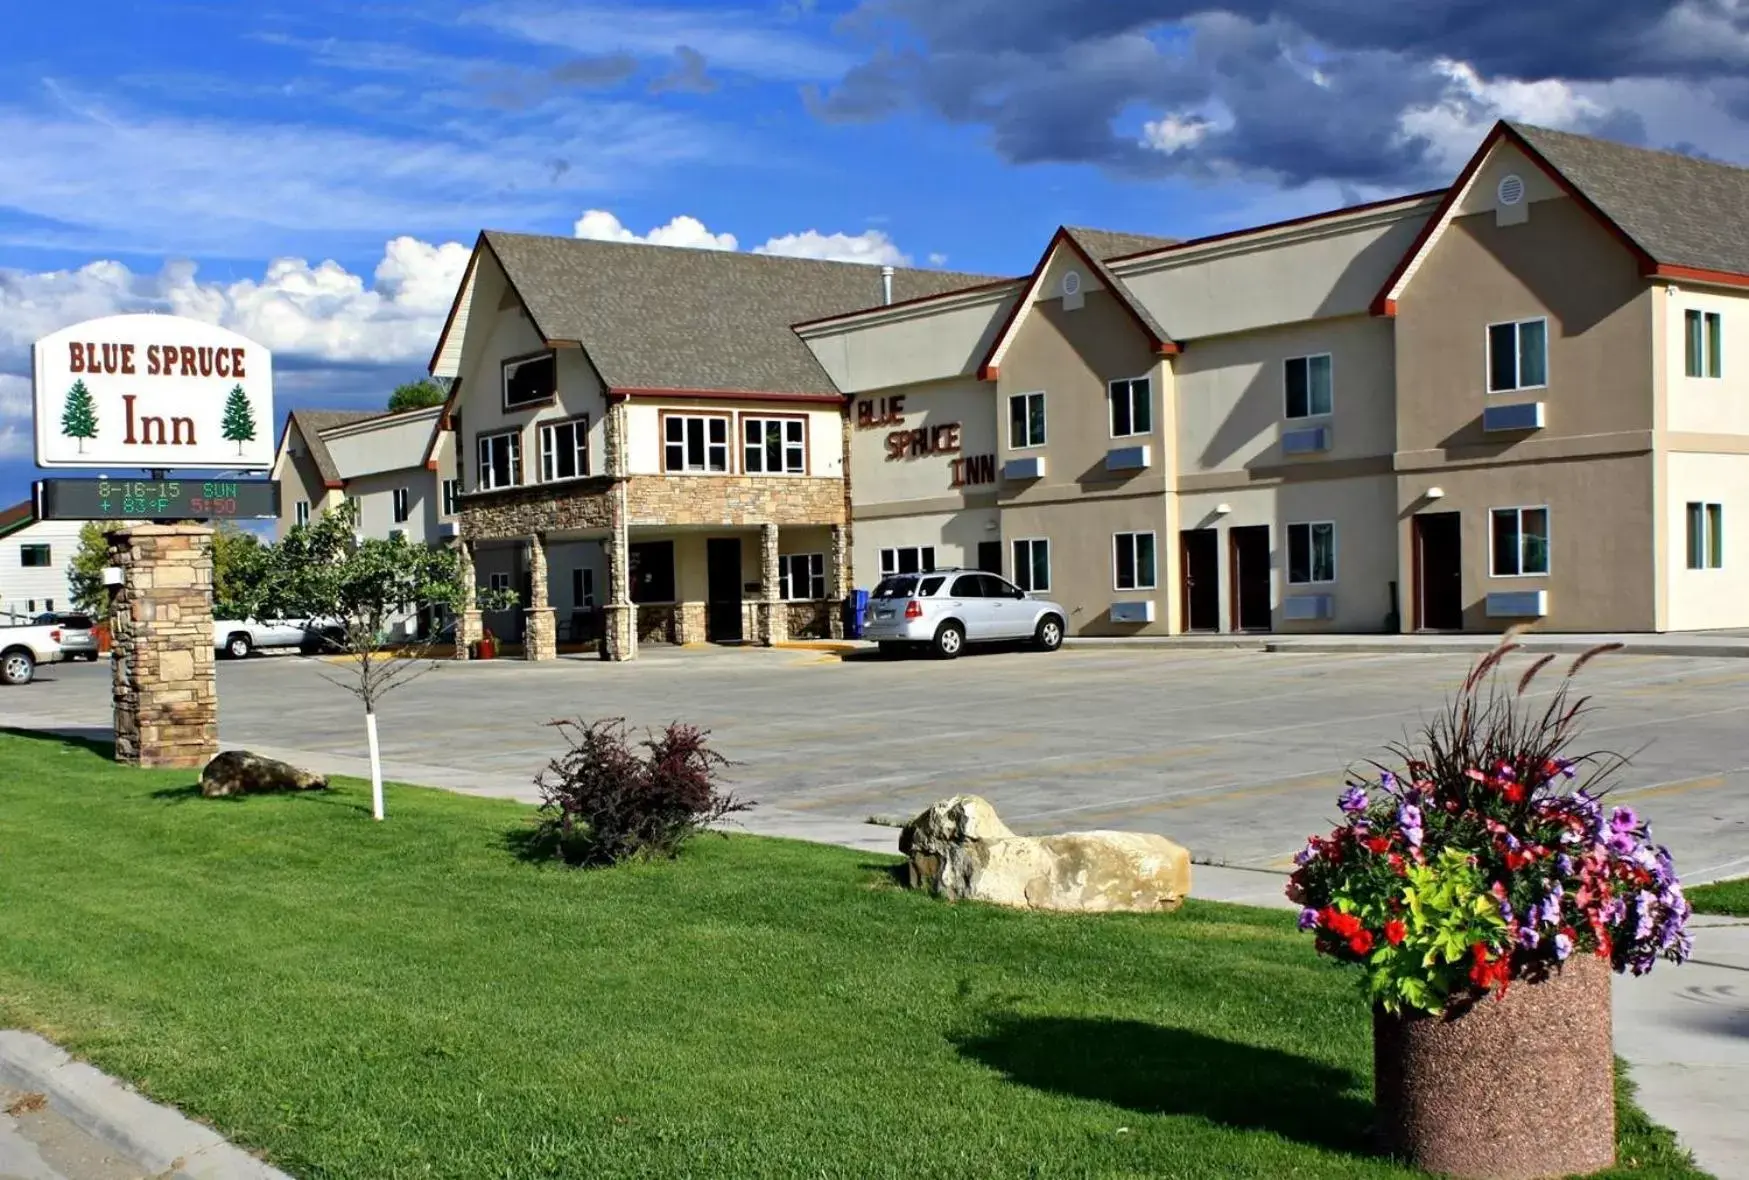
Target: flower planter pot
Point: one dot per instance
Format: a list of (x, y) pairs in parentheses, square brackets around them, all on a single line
[(1517, 1088), (486, 649)]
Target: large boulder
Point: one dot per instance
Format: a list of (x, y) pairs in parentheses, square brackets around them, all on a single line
[(959, 848), (238, 772)]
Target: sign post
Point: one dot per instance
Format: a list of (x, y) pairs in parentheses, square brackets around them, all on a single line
[(160, 394)]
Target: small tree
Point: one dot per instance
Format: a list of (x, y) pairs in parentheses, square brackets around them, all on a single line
[(85, 571), (417, 395), (239, 568), (354, 590), (239, 423), (79, 417)]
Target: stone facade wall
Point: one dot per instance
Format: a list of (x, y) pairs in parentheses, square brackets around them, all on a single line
[(537, 508), (744, 500), (657, 623), (166, 701), (812, 620)]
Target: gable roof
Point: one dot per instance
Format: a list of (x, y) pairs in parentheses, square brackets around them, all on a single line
[(311, 424), (16, 517), (672, 318), (1680, 216), (1074, 239), (1106, 244)]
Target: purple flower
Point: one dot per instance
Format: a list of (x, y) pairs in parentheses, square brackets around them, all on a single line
[(1620, 842), (1563, 947), (1647, 904), (1564, 865), (1547, 912), (1387, 780), (1353, 800), (1306, 855), (1623, 819), (1528, 938), (1308, 918), (1505, 910)]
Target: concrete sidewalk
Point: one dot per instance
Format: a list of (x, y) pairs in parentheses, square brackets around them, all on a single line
[(1709, 644)]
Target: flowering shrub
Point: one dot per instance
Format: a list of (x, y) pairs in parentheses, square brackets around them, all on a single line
[(1485, 855)]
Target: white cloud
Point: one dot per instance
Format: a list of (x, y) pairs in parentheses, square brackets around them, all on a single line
[(871, 246), (15, 424), (602, 226), (1174, 132), (1471, 104)]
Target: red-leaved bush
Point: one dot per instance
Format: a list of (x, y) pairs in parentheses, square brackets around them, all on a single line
[(607, 799)]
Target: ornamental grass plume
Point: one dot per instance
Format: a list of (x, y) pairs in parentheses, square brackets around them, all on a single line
[(1483, 853)]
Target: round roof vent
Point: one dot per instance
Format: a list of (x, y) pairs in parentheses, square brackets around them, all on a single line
[(1071, 282), (1511, 189)]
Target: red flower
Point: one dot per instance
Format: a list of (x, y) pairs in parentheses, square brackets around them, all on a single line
[(1340, 924), (1361, 943), (1516, 860), (1514, 792), (1395, 932), (1396, 862), (1377, 843)]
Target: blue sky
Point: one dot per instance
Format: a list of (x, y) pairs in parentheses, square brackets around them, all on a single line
[(311, 172)]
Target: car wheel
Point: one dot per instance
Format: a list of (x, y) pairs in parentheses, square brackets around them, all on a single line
[(1049, 636), (950, 640), (17, 667), (238, 646)]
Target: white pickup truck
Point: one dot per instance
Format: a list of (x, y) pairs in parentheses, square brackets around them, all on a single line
[(23, 648), (238, 637)]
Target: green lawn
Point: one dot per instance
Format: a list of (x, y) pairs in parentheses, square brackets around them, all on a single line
[(1722, 897), (412, 999)]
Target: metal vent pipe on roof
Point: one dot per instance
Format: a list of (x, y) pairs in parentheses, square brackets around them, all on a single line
[(886, 284)]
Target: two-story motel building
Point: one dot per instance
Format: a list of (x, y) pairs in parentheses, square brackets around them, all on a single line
[(1507, 401)]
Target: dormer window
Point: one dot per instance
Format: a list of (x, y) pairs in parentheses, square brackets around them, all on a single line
[(530, 380)]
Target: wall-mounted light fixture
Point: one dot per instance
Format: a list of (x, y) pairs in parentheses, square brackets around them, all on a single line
[(1223, 509), (1436, 493)]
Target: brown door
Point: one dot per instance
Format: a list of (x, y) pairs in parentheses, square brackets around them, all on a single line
[(1202, 579), (1251, 588), (1439, 572), (723, 583)]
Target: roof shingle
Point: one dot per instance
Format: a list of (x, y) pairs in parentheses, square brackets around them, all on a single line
[(1105, 244), (311, 424)]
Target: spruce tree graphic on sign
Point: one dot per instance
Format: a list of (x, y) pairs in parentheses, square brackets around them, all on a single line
[(79, 417), (239, 424)]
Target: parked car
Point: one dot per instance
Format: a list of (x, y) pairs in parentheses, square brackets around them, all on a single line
[(949, 608), (78, 639), (237, 638), (23, 648)]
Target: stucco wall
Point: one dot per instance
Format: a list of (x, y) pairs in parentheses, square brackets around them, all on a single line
[(644, 439), (1707, 598), (879, 478), (1709, 405), (955, 536), (1081, 557), (927, 342)]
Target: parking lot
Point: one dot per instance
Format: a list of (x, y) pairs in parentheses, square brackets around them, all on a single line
[(1236, 754)]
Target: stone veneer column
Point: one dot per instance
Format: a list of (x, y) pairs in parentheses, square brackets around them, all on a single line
[(772, 614), (838, 579), (619, 629), (540, 638), (470, 624), (166, 702)]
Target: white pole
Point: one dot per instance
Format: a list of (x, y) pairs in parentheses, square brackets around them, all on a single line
[(376, 767)]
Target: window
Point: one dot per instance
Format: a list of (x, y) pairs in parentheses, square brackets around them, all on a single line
[(403, 505), (1705, 351), (1518, 356), (1521, 541), (1026, 420), (582, 588), (500, 460), (1132, 407), (451, 489), (500, 583), (694, 443), (774, 446), (301, 512), (530, 380), (564, 450), (48, 604), (1706, 536), (1032, 565), (650, 568), (34, 556), (1311, 553), (1307, 379), (802, 576), (915, 560), (1133, 558)]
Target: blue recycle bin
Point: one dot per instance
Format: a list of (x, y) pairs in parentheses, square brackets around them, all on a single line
[(855, 607)]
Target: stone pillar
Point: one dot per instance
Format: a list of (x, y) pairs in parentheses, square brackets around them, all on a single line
[(470, 626), (619, 634), (838, 579), (540, 637), (166, 702), (772, 614)]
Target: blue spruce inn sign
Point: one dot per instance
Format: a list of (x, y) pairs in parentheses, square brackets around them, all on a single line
[(153, 392)]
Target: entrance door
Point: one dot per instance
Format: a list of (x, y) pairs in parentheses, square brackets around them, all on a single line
[(723, 610), (1439, 572), (1251, 586), (990, 557), (1202, 579)]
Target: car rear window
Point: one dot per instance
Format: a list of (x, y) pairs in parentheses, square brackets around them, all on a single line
[(930, 588), (77, 622), (896, 587)]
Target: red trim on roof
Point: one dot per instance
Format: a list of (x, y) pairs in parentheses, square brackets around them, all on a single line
[(17, 516), (622, 392), (915, 299), (1695, 274), (1304, 219)]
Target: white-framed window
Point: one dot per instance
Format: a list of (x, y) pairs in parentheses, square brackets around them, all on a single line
[(1026, 420), (530, 380), (301, 512), (1518, 355), (1133, 564), (1706, 536), (914, 559), (1311, 553), (1703, 351), (1032, 564), (802, 576), (1306, 383), (403, 504), (695, 443), (500, 460), (1132, 406), (1520, 542), (582, 587), (564, 449), (35, 557), (774, 446), (451, 489)]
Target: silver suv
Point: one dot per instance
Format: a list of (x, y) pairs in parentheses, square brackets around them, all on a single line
[(949, 608)]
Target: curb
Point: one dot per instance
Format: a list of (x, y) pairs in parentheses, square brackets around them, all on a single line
[(161, 1139)]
